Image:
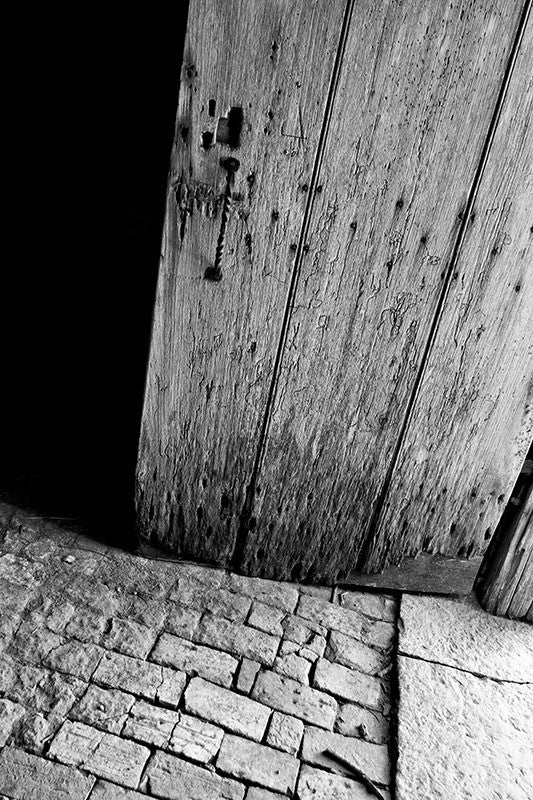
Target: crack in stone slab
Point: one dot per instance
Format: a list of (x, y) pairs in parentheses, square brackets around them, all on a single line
[(463, 669)]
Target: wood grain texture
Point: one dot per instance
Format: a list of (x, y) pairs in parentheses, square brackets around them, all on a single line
[(214, 344), (506, 587), (425, 573), (417, 89), (473, 420)]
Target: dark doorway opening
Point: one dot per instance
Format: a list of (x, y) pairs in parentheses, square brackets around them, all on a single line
[(92, 103)]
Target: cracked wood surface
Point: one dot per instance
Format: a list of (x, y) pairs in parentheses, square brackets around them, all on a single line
[(214, 344), (416, 95), (473, 421)]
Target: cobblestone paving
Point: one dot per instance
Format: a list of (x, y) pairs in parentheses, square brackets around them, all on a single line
[(123, 677)]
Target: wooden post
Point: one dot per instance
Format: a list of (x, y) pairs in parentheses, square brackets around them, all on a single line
[(505, 586)]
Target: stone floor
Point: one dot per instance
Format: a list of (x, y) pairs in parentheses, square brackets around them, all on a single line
[(125, 677)]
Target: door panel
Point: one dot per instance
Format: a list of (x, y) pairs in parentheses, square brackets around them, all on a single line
[(416, 93), (214, 343), (473, 420)]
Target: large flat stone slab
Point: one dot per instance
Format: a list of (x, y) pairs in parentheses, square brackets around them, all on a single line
[(462, 635), (461, 736)]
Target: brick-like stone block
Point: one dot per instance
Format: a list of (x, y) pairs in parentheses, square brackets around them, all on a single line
[(141, 678), (75, 658), (352, 720), (10, 714), (86, 624), (354, 654), (129, 637), (273, 593), (240, 640), (150, 724), (151, 612), (249, 761), (39, 688), (36, 730), (293, 666), (218, 601), (291, 697), (331, 616), (223, 707), (29, 777), (106, 709), (266, 618), (377, 606), (372, 759), (348, 684), (170, 777), (195, 739), (378, 634), (315, 783), (285, 733), (104, 790), (101, 753), (182, 621), (33, 642), (247, 673), (213, 665)]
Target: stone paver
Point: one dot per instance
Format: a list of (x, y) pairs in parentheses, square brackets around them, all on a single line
[(195, 739), (28, 777), (461, 736), (194, 659), (238, 639), (173, 778), (315, 783), (228, 709), (102, 754), (348, 684), (250, 761), (291, 697), (285, 733), (462, 635), (123, 677), (372, 759)]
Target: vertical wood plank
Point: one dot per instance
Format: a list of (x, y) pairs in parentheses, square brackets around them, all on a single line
[(506, 587), (416, 93), (214, 344), (473, 420)]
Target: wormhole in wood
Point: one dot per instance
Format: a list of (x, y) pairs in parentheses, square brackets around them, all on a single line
[(207, 140), (229, 127), (212, 107)]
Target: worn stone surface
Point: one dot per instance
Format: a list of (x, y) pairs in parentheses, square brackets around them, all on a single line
[(353, 653), (250, 761), (248, 670), (293, 666), (100, 753), (291, 697), (285, 733), (462, 635), (101, 650), (348, 684), (462, 736), (170, 777), (240, 640), (353, 720), (233, 711), (103, 790), (315, 783), (266, 618), (150, 724), (28, 777), (103, 708), (377, 606), (372, 759), (129, 637), (10, 714), (195, 739), (213, 665)]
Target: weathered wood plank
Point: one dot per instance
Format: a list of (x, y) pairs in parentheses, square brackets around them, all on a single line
[(473, 420), (214, 343), (416, 94), (506, 587), (425, 573)]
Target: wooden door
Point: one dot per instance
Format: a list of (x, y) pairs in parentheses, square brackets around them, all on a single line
[(292, 424)]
